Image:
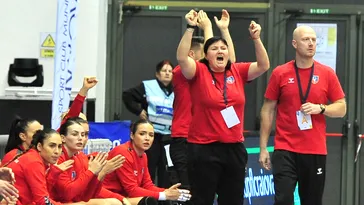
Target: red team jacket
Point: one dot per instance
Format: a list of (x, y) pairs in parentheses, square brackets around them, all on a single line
[(83, 183), (30, 174), (132, 179), (75, 109), (73, 112), (10, 155)]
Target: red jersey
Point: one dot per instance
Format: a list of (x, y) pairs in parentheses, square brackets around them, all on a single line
[(75, 109), (83, 183), (208, 124), (283, 86), (30, 174), (181, 105), (10, 155), (132, 179), (73, 112)]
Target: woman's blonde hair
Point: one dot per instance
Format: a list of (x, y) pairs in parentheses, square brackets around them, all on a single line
[(81, 115)]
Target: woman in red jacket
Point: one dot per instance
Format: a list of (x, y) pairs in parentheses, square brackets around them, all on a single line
[(85, 177), (133, 178), (31, 168), (22, 130), (20, 137)]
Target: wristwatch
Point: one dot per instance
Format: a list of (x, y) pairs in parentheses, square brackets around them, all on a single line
[(323, 108)]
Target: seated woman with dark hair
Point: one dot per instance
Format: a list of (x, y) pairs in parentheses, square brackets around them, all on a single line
[(133, 178), (153, 100), (20, 137), (22, 130), (31, 167), (86, 176)]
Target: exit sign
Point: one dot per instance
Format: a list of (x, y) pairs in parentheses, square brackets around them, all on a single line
[(158, 7), (319, 11)]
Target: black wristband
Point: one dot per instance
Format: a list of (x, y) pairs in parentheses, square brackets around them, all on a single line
[(189, 26), (323, 108)]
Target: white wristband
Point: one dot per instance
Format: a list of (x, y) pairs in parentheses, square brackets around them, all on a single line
[(162, 196)]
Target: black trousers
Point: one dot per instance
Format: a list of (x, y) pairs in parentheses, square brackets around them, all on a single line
[(306, 169), (217, 168), (157, 161), (178, 152)]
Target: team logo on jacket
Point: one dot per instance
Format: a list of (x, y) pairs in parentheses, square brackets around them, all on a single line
[(315, 79), (73, 175), (47, 201), (135, 172), (230, 80)]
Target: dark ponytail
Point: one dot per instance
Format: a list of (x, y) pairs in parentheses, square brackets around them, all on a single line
[(38, 137), (18, 126)]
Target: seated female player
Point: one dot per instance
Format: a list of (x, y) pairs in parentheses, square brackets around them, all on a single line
[(86, 176), (31, 167), (133, 179)]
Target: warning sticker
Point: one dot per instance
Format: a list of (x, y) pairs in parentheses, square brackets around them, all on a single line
[(47, 45), (49, 42)]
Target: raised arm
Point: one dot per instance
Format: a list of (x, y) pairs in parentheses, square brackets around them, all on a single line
[(262, 65), (223, 25), (204, 23), (187, 64), (76, 107), (88, 83), (267, 114)]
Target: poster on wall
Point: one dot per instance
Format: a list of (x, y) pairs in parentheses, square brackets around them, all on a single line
[(326, 42)]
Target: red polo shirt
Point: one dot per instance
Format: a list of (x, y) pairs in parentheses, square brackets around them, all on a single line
[(207, 124), (283, 87), (181, 104)]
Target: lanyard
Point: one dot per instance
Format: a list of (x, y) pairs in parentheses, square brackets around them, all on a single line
[(224, 92), (303, 98)]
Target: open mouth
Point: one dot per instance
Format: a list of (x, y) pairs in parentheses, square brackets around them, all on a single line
[(220, 58)]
